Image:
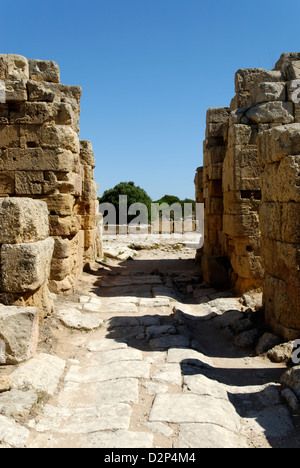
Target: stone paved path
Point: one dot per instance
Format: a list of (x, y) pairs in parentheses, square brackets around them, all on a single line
[(140, 369)]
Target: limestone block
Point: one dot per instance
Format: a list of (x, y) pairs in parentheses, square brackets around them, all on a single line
[(44, 70), (239, 134), (64, 226), (13, 67), (266, 92), (7, 183), (9, 136), (60, 268), (245, 78), (89, 190), (214, 155), (19, 327), (87, 153), (65, 93), (293, 71), (271, 112), (25, 267), (60, 204), (16, 91), (23, 220), (215, 130), (280, 259), (217, 115), (282, 306), (38, 113), (39, 92), (247, 266), (59, 136), (281, 182), (29, 183), (62, 248), (241, 225), (279, 142), (234, 203), (36, 159)]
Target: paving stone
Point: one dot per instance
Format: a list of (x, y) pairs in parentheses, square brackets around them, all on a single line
[(17, 404), (74, 319), (119, 439), (118, 355), (41, 374), (188, 356), (271, 422), (201, 385), (12, 433), (156, 331), (152, 388), (82, 420), (155, 302), (207, 436), (76, 395), (168, 373), (190, 408), (115, 370), (106, 345), (160, 428)]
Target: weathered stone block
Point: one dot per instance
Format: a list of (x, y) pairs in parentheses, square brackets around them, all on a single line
[(64, 226), (241, 225), (9, 136), (29, 183), (7, 183), (215, 270), (280, 259), (217, 115), (281, 182), (279, 142), (61, 267), (60, 204), (272, 112), (39, 92), (13, 67), (87, 153), (239, 134), (23, 220), (266, 92), (25, 267), (282, 306), (16, 91), (19, 327), (37, 159), (59, 136), (44, 70)]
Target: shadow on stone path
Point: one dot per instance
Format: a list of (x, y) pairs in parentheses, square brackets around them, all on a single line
[(137, 365)]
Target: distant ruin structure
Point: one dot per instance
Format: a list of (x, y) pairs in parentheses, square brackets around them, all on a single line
[(250, 185)]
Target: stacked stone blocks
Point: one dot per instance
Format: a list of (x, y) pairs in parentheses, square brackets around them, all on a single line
[(42, 157), (258, 226)]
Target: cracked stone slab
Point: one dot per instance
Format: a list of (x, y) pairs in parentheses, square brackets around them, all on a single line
[(17, 404), (115, 370), (76, 395), (168, 373), (106, 345), (82, 420), (209, 436), (201, 385), (41, 374), (73, 318), (119, 439), (190, 408), (107, 357), (12, 433)]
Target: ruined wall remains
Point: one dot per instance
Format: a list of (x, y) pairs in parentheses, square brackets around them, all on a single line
[(41, 157), (252, 220)]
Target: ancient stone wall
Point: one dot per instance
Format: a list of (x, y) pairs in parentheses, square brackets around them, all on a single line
[(41, 157), (251, 193)]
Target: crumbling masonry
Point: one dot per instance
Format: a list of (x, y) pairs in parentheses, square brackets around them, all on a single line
[(250, 185), (47, 189)]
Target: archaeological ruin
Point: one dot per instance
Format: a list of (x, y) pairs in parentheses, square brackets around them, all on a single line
[(250, 185), (48, 197)]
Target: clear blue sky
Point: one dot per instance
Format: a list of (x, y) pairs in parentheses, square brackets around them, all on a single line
[(149, 70)]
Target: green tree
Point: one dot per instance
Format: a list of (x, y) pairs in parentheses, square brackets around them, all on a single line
[(134, 194)]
